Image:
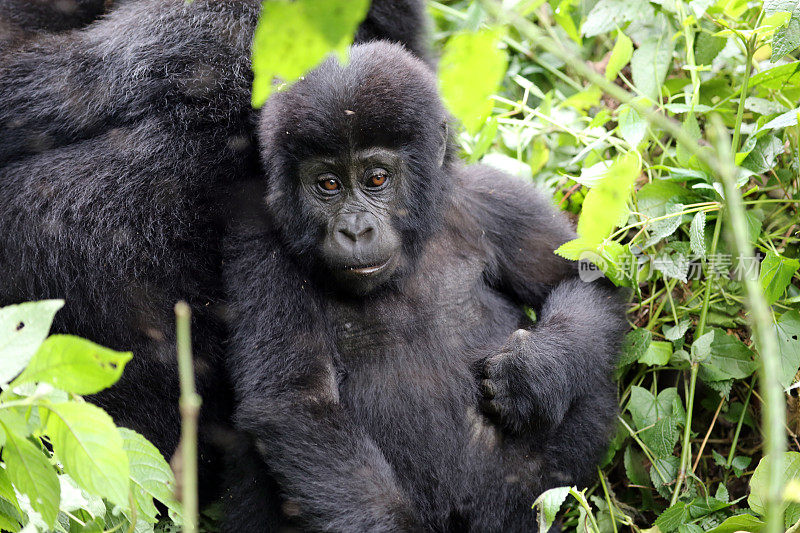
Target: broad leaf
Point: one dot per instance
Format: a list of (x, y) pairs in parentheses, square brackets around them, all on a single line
[(605, 203), (759, 483), (30, 471), (722, 357), (657, 354), (548, 504), (90, 447), (634, 346), (742, 522), (608, 15), (787, 330), (74, 365), (650, 64), (293, 37), (151, 476), (470, 71), (23, 327), (776, 274), (620, 56)]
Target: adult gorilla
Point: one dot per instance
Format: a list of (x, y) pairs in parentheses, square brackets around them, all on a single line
[(376, 303), (120, 146)]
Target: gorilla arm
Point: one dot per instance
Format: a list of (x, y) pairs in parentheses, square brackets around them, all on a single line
[(541, 373), (333, 476)]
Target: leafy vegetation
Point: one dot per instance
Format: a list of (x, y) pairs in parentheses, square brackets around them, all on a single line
[(66, 466), (633, 114)]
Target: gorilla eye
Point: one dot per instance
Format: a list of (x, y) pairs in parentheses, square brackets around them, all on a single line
[(377, 178), (329, 184)]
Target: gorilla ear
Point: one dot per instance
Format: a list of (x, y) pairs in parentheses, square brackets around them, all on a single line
[(443, 134)]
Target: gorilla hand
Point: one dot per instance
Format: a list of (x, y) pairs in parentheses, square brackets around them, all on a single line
[(521, 389)]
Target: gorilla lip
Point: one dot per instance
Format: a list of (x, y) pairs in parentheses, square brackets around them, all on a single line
[(369, 270)]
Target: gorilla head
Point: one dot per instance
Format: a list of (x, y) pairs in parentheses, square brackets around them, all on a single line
[(356, 159)]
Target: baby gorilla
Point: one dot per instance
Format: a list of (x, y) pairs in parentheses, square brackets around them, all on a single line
[(382, 360)]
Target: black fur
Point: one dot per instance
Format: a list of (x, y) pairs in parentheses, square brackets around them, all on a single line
[(121, 145), (431, 403), (24, 19)]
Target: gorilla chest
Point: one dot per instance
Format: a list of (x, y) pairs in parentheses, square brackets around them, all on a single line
[(407, 362)]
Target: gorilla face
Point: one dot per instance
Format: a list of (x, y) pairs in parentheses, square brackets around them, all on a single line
[(354, 197), (356, 158)]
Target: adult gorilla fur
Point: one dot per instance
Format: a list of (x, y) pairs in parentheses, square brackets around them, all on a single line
[(425, 400), (120, 146)]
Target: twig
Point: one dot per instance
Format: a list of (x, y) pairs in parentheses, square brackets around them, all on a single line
[(708, 434), (190, 410)]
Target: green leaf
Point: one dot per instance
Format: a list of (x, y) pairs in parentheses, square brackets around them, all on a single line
[(23, 327), (764, 154), (470, 71), (776, 274), (607, 15), (650, 64), (7, 489), (787, 38), (620, 56), (30, 471), (292, 37), (634, 467), (759, 483), (657, 354), (696, 234), (788, 333), (707, 46), (74, 365), (673, 333), (785, 120), (90, 447), (671, 519), (647, 409), (548, 504), (151, 476), (632, 127), (777, 78), (661, 229), (563, 17), (742, 522), (762, 106), (606, 202), (662, 437), (722, 357), (663, 473), (699, 7), (692, 129), (634, 346)]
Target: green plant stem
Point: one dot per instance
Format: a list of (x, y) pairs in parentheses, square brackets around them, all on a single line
[(686, 447), (701, 323), (190, 410), (608, 499), (732, 452), (764, 340), (748, 69)]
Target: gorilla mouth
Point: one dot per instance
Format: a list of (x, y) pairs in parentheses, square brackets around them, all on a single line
[(369, 270)]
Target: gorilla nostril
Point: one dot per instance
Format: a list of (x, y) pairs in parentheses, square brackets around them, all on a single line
[(349, 235), (366, 233)]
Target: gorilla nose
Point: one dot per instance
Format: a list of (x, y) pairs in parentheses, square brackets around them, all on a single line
[(355, 228)]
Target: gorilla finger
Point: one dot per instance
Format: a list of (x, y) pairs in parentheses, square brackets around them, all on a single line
[(488, 387), (493, 408)]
